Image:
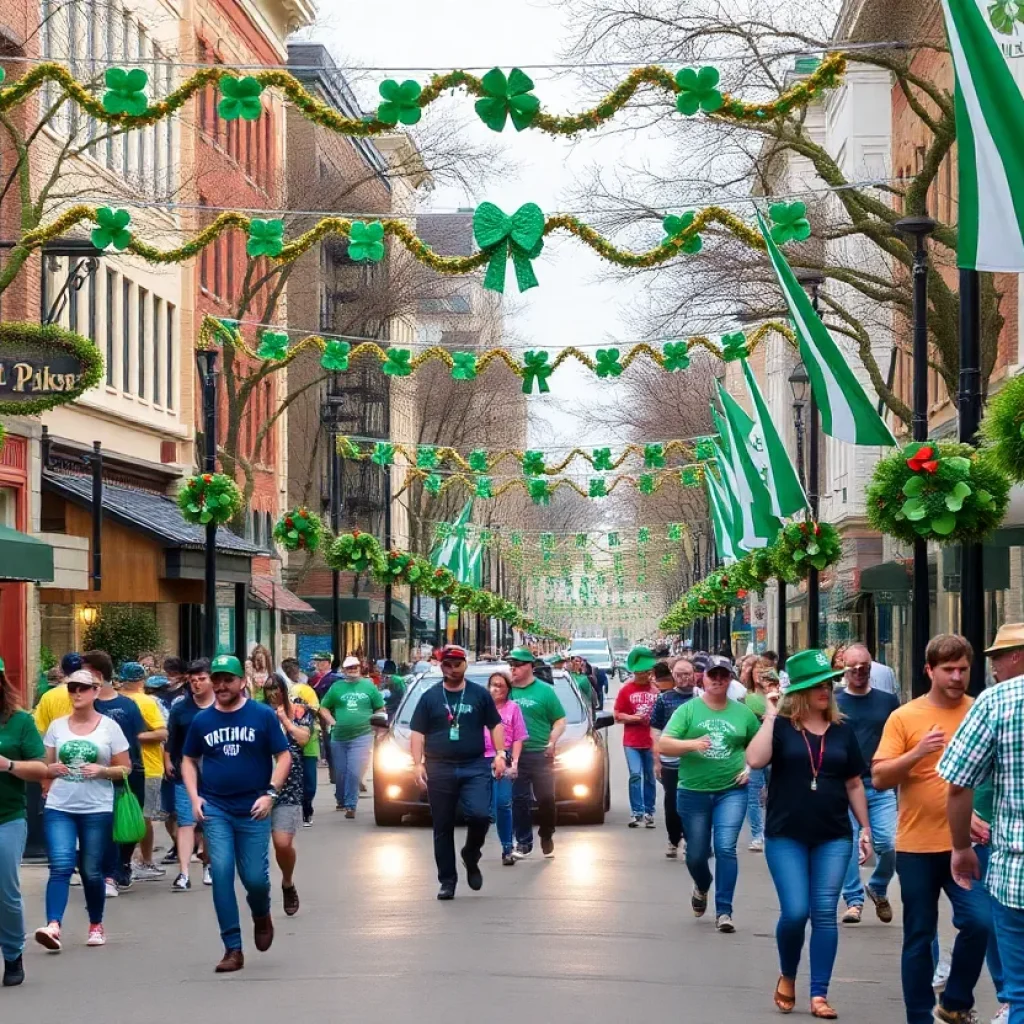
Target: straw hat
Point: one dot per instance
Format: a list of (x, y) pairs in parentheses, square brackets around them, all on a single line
[(1009, 638)]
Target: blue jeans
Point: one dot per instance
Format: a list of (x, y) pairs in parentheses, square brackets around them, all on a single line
[(449, 787), (501, 811), (350, 759), (923, 876), (992, 954), (716, 817), (309, 780), (1009, 926), (882, 818), (807, 880), (243, 842), (91, 834), (643, 792), (12, 908), (755, 809)]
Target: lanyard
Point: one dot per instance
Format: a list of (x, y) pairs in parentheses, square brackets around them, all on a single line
[(453, 716), (815, 769)]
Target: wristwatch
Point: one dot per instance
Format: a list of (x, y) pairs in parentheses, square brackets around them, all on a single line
[(273, 793)]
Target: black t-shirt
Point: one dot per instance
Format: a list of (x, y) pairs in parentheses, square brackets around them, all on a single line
[(795, 811), (867, 716), (440, 709)]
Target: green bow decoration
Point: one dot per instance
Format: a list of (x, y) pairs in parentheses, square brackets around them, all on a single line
[(335, 357), (432, 484), (533, 463), (125, 92), (654, 456), (645, 483), (734, 346), (789, 222), (484, 487), (540, 492), (705, 448), (675, 531), (507, 97), (478, 460), (463, 366), (397, 363), (427, 457), (266, 237), (698, 90), (689, 476), (273, 345), (602, 458), (519, 237), (675, 226), (366, 242), (598, 487), (383, 453), (608, 364), (536, 371), (240, 98), (111, 229), (401, 102), (676, 355)]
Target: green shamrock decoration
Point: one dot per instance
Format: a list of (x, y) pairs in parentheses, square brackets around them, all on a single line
[(266, 237), (273, 345), (581, 540), (676, 355), (478, 460), (366, 242), (689, 476), (675, 531), (536, 371), (111, 229), (789, 222), (401, 102), (125, 92), (240, 98), (645, 483), (614, 541), (1004, 14), (335, 357), (705, 448), (734, 346), (383, 453), (432, 484), (463, 366), (427, 457), (484, 488), (675, 226), (533, 463), (519, 238), (397, 363), (654, 456), (516, 539), (602, 458), (3, 75), (698, 90), (608, 364), (504, 98), (540, 492)]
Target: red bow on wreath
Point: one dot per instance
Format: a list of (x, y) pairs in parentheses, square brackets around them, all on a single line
[(923, 460)]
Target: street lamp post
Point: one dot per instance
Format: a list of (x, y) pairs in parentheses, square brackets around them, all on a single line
[(206, 361), (330, 414), (800, 385)]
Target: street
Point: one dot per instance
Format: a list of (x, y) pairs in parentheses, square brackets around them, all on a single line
[(604, 932)]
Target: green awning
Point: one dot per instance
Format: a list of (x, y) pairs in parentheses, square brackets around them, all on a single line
[(24, 558)]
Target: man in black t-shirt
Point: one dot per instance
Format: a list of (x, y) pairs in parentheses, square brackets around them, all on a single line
[(448, 731)]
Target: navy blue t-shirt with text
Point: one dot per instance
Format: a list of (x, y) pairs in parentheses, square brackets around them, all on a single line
[(126, 713), (237, 750)]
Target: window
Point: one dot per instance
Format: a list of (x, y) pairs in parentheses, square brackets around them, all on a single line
[(141, 341), (268, 152), (73, 40), (126, 334), (110, 53), (170, 355), (91, 41), (111, 299), (257, 528), (158, 337)]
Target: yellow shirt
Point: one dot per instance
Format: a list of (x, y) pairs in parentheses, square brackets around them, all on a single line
[(53, 704), (152, 750)]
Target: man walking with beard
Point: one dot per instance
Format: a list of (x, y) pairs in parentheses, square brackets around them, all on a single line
[(448, 731)]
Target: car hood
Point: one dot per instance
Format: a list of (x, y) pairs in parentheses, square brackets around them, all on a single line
[(574, 732)]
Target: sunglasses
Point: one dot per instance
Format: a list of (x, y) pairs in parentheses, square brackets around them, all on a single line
[(80, 687)]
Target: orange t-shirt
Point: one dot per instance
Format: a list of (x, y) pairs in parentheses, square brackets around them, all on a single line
[(923, 826)]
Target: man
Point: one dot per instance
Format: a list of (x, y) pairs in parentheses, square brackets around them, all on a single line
[(447, 746), (299, 686), (167, 690), (867, 710), (544, 716), (705, 662), (245, 763), (667, 768), (391, 686), (322, 676), (56, 703), (633, 708), (576, 670), (908, 753), (988, 748)]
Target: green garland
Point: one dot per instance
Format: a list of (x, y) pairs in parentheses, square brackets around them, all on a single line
[(1002, 428), (299, 530), (209, 498), (21, 339), (942, 491), (804, 545)]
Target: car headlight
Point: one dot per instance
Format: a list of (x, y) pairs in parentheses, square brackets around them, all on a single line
[(391, 758), (578, 758)]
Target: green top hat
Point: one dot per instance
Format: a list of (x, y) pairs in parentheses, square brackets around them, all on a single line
[(520, 654), (808, 669), (640, 659), (226, 663)]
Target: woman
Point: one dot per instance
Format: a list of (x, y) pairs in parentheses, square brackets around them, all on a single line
[(296, 718), (758, 672), (85, 753), (515, 733), (815, 782), (21, 760), (709, 735)]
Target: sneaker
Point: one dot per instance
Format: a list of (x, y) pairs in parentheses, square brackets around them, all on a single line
[(955, 1016), (474, 877), (171, 856), (14, 972), (147, 873), (508, 860), (883, 908), (124, 884), (181, 883), (522, 852), (350, 813), (1002, 1017), (233, 960), (853, 914), (547, 847), (724, 924), (649, 821), (634, 821), (111, 888), (97, 937), (207, 877), (941, 975), (49, 937), (307, 822), (76, 878), (698, 902), (756, 846), (672, 851), (291, 899)]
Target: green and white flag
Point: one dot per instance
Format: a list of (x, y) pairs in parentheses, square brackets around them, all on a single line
[(721, 518), (457, 552), (983, 36), (846, 411)]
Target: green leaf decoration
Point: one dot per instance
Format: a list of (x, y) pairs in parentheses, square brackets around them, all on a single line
[(536, 372), (734, 346), (914, 487), (985, 499), (478, 460), (643, 535), (463, 366), (519, 238), (125, 92), (698, 90), (598, 487), (504, 98), (209, 498), (789, 222), (914, 509), (484, 486), (427, 457), (602, 459), (273, 345), (383, 453), (111, 231), (944, 524), (299, 530), (676, 355), (689, 476), (540, 492), (1004, 14), (240, 98), (956, 498), (675, 226), (654, 456), (397, 363), (608, 364), (266, 237), (675, 531), (401, 102), (533, 463), (432, 484), (335, 356), (366, 242)]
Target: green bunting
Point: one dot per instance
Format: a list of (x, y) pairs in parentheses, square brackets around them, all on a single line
[(366, 242)]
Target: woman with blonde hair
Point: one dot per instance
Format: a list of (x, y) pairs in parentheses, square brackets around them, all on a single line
[(815, 782)]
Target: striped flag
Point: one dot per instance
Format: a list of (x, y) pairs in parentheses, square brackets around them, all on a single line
[(457, 552), (989, 128), (721, 518), (846, 411)]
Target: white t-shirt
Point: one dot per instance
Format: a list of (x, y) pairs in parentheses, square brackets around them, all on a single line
[(73, 793)]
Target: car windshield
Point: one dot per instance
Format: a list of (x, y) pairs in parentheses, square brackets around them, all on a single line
[(600, 646), (574, 711)]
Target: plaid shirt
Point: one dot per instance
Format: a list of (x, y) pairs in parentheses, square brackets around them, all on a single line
[(990, 741)]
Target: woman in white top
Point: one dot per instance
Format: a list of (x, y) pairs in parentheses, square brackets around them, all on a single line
[(85, 752)]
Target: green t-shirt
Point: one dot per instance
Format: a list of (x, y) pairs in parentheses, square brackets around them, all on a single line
[(19, 741), (352, 704), (984, 798), (757, 702), (541, 708), (731, 729), (585, 688)]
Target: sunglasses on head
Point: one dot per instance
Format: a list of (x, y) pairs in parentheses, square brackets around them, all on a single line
[(80, 687)]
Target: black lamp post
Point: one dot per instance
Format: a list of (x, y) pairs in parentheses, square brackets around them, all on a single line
[(800, 385), (206, 361), (330, 414)]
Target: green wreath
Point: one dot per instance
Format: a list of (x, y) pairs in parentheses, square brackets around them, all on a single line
[(299, 530), (356, 552), (947, 492), (209, 498), (803, 546), (1003, 429)]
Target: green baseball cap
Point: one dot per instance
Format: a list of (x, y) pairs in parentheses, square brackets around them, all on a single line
[(807, 669), (323, 656), (523, 654), (640, 659), (555, 659), (226, 663)]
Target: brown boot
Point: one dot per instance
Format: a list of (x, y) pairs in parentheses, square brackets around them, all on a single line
[(232, 961), (263, 932)]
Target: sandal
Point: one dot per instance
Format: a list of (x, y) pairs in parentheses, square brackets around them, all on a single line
[(784, 1003), (820, 1008)]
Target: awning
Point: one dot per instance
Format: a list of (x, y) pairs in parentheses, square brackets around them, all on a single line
[(350, 609), (272, 594), (24, 558)]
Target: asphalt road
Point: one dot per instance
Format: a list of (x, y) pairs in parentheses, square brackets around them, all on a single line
[(602, 933)]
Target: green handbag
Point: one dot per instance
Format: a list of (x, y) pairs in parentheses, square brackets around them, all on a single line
[(129, 824)]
